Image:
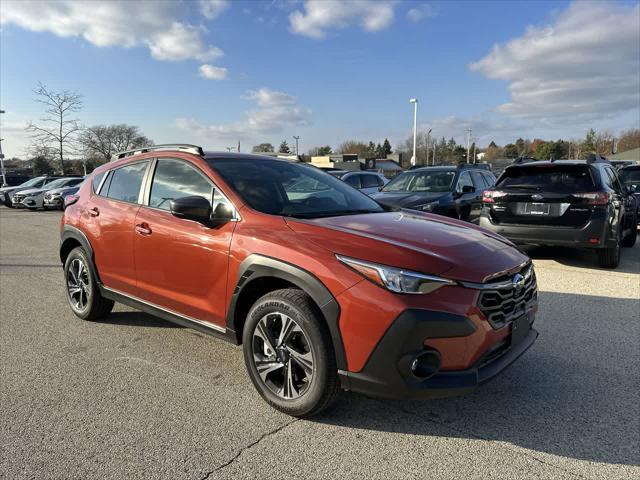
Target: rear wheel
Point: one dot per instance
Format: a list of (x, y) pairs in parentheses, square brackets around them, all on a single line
[(82, 289), (610, 257), (289, 354)]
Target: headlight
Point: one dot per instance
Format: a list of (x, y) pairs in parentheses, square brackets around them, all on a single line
[(396, 279), (427, 207), (54, 195)]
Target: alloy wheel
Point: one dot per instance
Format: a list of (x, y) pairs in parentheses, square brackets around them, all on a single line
[(282, 356), (78, 284)]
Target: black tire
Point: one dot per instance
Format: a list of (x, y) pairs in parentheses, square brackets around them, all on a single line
[(630, 239), (610, 257), (321, 389), (84, 295)]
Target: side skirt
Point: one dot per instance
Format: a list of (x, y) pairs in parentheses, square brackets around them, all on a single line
[(168, 315)]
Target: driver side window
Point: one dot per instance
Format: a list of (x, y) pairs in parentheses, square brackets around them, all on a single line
[(463, 181), (174, 179)]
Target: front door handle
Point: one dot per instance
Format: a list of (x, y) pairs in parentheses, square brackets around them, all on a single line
[(94, 212), (143, 229)]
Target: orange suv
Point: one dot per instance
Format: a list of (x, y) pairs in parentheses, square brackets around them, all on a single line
[(324, 289)]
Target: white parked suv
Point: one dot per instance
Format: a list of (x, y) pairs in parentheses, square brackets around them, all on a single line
[(34, 198)]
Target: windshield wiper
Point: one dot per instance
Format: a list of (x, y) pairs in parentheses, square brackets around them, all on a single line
[(523, 186)]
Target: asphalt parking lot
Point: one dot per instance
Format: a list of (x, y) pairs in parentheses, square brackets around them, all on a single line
[(136, 397)]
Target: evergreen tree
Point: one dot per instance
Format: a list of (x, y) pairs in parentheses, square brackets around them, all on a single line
[(284, 147), (386, 148)]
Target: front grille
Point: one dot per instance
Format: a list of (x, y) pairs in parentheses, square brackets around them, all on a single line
[(502, 305), (18, 198)]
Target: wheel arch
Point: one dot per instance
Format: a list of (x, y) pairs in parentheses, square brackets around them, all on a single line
[(260, 274), (71, 238)]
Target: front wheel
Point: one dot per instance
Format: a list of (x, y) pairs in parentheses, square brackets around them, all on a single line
[(289, 355), (82, 289)]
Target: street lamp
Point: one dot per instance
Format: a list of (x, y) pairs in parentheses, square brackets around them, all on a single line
[(4, 178), (415, 128), (296, 137), (428, 143)]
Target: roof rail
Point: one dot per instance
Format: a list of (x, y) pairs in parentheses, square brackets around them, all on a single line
[(183, 147), (521, 160)]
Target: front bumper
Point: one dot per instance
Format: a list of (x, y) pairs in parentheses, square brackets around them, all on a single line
[(388, 371), (53, 202), (595, 234)]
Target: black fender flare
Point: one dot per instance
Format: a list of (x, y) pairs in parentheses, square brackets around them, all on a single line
[(259, 266), (72, 233)]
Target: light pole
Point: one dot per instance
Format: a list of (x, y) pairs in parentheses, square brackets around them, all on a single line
[(4, 179), (415, 128), (428, 143), (296, 137)]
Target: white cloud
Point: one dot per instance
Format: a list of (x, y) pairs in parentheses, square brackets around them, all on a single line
[(276, 111), (322, 15), (419, 13), (213, 8), (115, 23), (583, 66), (212, 72)]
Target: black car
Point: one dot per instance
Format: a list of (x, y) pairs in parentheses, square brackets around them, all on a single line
[(572, 203), (451, 191), (630, 176)]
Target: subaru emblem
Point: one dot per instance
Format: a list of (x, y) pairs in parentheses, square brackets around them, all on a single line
[(518, 284)]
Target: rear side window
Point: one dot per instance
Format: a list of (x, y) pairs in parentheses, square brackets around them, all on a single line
[(548, 178), (353, 180), (125, 182), (489, 178), (369, 181), (175, 179), (613, 182)]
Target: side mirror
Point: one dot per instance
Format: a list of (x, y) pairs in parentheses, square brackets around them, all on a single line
[(468, 189), (634, 188), (223, 213), (191, 208)]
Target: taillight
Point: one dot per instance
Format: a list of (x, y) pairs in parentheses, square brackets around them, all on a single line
[(70, 200), (489, 196), (594, 198)]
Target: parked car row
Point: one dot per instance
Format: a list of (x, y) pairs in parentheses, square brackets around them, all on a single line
[(40, 192)]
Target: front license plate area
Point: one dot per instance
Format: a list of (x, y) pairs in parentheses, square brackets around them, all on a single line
[(537, 208), (520, 329)]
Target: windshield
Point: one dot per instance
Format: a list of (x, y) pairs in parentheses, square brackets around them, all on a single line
[(61, 182), (34, 182), (422, 181), (630, 176), (291, 189), (548, 178)]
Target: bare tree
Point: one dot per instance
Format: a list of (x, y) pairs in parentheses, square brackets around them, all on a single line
[(105, 140), (58, 129)]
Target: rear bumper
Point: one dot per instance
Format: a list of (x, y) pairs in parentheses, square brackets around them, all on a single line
[(388, 371), (595, 234)]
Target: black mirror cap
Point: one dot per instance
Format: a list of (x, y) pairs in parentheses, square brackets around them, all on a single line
[(467, 189), (193, 207), (223, 213)]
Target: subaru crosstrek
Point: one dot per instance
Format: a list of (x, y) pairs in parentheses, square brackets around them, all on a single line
[(324, 290)]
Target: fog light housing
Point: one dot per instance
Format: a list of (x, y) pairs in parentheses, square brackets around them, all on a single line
[(426, 364)]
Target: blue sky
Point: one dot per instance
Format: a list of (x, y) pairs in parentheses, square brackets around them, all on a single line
[(214, 72)]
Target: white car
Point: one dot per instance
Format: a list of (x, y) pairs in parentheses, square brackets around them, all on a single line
[(34, 198), (366, 182)]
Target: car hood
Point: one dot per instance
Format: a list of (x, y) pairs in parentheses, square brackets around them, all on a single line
[(32, 191), (60, 190), (406, 199), (417, 241)]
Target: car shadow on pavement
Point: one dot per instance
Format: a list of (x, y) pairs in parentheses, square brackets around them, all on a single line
[(573, 394), (137, 319), (584, 258)]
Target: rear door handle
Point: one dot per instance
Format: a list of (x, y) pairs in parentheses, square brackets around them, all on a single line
[(143, 229), (94, 212)]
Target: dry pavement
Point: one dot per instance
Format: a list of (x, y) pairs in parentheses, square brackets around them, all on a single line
[(136, 397)]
